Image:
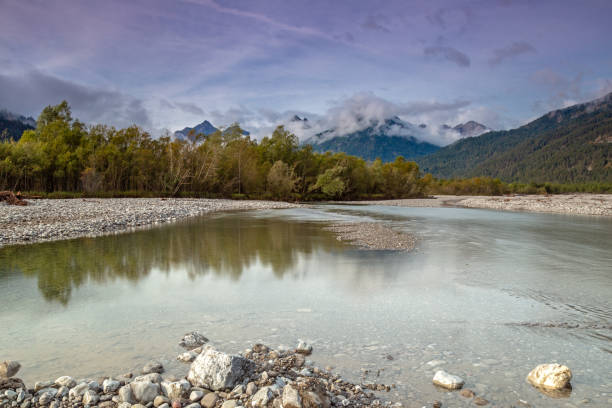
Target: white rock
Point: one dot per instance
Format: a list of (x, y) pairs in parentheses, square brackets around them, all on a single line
[(65, 381), (77, 391), (10, 394), (262, 397), (446, 380), (187, 357), (90, 398), (153, 377), (229, 404), (550, 376), (217, 371), (126, 395), (176, 390), (145, 391), (304, 348), (196, 395), (110, 386), (291, 398)]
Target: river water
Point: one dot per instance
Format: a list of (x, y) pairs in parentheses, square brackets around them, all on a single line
[(485, 295)]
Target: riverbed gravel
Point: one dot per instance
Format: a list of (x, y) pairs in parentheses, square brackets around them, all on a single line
[(577, 204), (372, 235), (49, 220)]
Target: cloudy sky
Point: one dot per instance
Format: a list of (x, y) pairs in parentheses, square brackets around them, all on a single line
[(169, 64)]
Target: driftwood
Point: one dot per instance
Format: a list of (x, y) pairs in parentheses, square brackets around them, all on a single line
[(12, 198)]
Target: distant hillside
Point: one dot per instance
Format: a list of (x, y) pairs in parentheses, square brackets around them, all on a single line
[(12, 126), (206, 128), (567, 145), (380, 141)]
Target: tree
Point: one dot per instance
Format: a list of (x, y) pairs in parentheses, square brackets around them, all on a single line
[(281, 181)]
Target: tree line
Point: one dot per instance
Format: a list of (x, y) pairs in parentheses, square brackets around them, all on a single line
[(64, 157)]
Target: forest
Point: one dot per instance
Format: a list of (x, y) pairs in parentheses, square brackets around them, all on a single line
[(63, 157)]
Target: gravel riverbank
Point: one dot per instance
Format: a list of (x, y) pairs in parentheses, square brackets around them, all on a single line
[(50, 220), (578, 204)]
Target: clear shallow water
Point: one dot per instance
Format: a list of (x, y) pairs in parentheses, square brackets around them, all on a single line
[(491, 294)]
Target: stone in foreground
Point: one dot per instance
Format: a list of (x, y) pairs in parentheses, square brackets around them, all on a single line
[(9, 368), (448, 381), (291, 398), (218, 371), (550, 376), (193, 340)]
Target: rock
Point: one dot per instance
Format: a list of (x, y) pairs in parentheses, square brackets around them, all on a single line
[(62, 392), (291, 398), (176, 390), (45, 398), (218, 371), (304, 348), (187, 357), (480, 401), (262, 397), (145, 391), (165, 405), (467, 393), (160, 400), (251, 388), (9, 368), (436, 404), (194, 405), (90, 398), (550, 376), (152, 377), (153, 367), (196, 395), (449, 381), (229, 404), (313, 399), (209, 400), (110, 386), (43, 384), (10, 394), (176, 404), (124, 405), (94, 385), (126, 395), (77, 391), (65, 381), (138, 406), (193, 340)]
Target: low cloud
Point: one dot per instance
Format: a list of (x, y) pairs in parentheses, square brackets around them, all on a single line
[(448, 53), (511, 51), (31, 92), (185, 107)]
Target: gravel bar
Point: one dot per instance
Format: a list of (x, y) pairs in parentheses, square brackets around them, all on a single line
[(50, 220), (374, 236), (578, 204)]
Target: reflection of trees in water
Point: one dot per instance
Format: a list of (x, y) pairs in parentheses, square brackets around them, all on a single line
[(223, 246)]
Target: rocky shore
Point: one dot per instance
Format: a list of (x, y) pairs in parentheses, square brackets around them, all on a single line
[(50, 220), (577, 204), (257, 378)]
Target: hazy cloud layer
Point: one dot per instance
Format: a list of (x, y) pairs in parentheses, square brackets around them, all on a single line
[(170, 64)]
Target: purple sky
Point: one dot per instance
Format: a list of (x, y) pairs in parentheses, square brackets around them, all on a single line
[(170, 64)]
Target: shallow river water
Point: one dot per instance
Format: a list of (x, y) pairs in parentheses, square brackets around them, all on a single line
[(486, 295)]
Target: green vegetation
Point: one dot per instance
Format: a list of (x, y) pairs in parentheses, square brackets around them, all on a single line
[(64, 158), (571, 145)]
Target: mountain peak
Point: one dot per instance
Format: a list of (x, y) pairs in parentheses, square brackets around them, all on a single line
[(471, 128), (206, 128)]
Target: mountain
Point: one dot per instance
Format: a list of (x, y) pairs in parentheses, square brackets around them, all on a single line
[(206, 128), (567, 145), (386, 141), (471, 129), (14, 125)]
